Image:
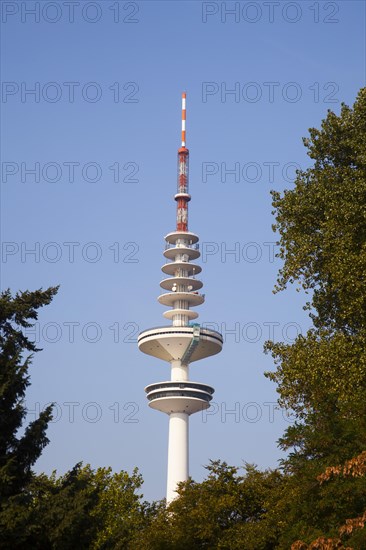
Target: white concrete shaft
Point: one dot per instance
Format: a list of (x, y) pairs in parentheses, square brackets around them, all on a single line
[(177, 453), (178, 372)]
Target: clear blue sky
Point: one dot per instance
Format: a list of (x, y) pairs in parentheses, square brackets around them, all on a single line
[(108, 77)]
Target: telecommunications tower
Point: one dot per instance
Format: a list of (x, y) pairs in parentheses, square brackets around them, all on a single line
[(182, 342)]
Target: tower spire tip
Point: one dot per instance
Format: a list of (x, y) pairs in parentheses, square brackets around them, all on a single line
[(184, 95)]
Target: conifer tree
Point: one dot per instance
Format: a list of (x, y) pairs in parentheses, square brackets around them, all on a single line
[(18, 453)]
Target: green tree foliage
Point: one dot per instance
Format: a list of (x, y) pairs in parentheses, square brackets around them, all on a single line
[(322, 221), (51, 513), (18, 454), (352, 532), (84, 509), (119, 513), (322, 376), (322, 226), (226, 511)]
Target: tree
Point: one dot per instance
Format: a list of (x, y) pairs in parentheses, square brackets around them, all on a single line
[(119, 513), (322, 376), (81, 509), (84, 509), (353, 529), (323, 244), (51, 512), (18, 453), (322, 221), (226, 511)]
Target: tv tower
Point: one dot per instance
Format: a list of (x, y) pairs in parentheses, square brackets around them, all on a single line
[(182, 342)]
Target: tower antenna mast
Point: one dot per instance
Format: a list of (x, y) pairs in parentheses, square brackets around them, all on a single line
[(182, 196)]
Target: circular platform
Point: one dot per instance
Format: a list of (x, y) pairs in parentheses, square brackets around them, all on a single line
[(193, 298), (172, 237), (173, 267), (172, 252), (167, 284), (170, 343), (179, 396)]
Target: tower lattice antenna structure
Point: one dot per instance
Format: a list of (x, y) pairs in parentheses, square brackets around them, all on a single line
[(182, 342)]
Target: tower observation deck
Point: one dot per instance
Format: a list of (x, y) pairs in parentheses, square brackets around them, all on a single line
[(182, 342)]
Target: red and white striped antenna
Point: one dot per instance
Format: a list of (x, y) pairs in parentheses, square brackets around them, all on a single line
[(184, 95), (182, 196)]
